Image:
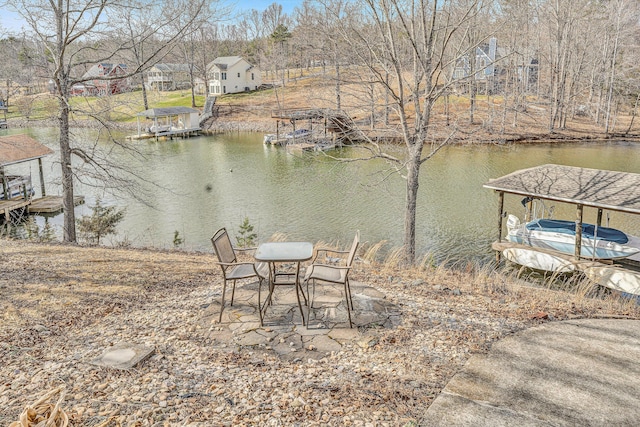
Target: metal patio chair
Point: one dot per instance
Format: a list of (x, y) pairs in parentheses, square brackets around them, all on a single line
[(234, 270), (332, 273)]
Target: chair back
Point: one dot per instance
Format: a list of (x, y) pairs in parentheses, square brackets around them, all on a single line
[(222, 246), (354, 248)]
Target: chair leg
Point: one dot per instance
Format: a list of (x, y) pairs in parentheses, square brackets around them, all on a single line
[(346, 300), (233, 292), (349, 288), (260, 306), (312, 296), (224, 290), (309, 300)]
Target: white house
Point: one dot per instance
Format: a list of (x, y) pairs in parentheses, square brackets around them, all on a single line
[(232, 74), (164, 77)]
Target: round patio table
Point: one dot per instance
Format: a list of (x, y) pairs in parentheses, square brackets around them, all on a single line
[(284, 252)]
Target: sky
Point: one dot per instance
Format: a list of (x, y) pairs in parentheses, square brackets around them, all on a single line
[(10, 21)]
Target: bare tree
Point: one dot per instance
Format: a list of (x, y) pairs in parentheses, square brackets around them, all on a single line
[(567, 24), (76, 34), (400, 47), (139, 32), (622, 17)]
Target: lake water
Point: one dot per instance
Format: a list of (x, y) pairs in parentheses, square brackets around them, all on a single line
[(204, 183)]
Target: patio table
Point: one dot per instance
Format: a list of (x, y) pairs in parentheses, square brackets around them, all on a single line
[(284, 252)]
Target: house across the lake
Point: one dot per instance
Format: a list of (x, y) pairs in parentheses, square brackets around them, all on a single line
[(232, 74), (491, 65), (102, 79), (167, 77)]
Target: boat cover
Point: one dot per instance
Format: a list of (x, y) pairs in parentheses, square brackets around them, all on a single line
[(569, 227)]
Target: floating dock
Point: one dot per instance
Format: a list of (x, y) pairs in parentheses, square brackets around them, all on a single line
[(51, 204), (8, 206), (175, 133), (41, 205)]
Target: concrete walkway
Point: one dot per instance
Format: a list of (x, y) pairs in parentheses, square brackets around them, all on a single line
[(328, 328), (573, 373)]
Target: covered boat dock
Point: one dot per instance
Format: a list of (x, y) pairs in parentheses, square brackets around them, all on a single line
[(169, 122), (600, 189), (582, 187), (336, 122), (15, 149)]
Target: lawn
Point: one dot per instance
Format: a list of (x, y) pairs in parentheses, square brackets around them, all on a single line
[(118, 108)]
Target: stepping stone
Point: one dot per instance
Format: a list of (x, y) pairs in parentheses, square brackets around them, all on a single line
[(251, 338), (123, 356)]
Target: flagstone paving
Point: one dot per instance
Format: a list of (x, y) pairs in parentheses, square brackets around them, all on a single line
[(283, 333)]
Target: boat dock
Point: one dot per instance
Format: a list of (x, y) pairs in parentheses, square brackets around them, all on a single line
[(40, 205), (8, 206), (171, 133), (584, 188), (168, 122), (51, 204), (21, 148), (333, 128)]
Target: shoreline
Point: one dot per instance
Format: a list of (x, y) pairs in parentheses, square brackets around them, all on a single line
[(479, 138)]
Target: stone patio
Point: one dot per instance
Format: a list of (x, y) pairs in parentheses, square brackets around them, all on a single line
[(327, 331)]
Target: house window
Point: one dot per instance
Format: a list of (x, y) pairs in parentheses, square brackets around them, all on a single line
[(224, 89), (216, 76), (251, 76), (224, 76), (238, 75)]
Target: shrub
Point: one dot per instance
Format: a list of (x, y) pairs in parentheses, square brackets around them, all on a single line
[(102, 222)]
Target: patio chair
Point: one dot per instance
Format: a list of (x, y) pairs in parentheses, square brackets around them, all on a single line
[(234, 270), (332, 273)]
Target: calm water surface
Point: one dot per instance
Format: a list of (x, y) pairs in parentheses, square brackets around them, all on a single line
[(208, 182)]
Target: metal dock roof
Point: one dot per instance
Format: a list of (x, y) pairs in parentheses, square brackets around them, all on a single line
[(613, 190), (20, 148)]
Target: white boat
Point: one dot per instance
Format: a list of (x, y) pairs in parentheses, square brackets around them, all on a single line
[(615, 278), (558, 235), (16, 186), (538, 260)]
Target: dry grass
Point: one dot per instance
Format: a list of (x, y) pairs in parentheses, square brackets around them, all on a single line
[(448, 314), (561, 297), (493, 121)]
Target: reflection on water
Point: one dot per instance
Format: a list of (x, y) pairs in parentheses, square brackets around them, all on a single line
[(200, 184)]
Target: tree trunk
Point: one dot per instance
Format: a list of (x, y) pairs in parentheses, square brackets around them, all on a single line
[(337, 65), (69, 227), (472, 99), (144, 95), (413, 173)]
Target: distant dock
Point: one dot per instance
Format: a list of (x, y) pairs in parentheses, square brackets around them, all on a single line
[(172, 133)]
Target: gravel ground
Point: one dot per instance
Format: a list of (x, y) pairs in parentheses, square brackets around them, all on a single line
[(61, 306)]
